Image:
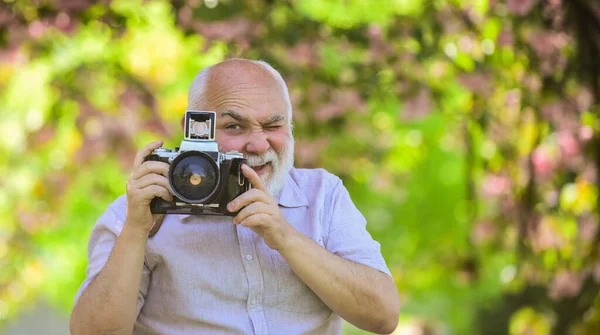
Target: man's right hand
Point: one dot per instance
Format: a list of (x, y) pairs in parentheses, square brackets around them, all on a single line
[(108, 304), (148, 180)]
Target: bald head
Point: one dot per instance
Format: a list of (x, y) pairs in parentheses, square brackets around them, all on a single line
[(254, 115), (232, 76)]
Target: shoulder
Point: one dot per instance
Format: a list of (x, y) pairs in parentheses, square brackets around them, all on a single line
[(311, 186), (113, 217), (119, 205)]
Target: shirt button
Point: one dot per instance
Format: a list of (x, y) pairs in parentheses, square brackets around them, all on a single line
[(249, 257)]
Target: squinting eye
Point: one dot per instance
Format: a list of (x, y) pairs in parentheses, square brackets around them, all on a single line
[(232, 126)]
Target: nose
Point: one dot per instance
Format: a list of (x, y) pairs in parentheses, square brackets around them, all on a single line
[(257, 143)]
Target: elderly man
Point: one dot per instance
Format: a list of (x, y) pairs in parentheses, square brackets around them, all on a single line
[(295, 259)]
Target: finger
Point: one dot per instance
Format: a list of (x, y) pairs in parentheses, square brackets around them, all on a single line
[(254, 178), (155, 191), (152, 179), (254, 208), (145, 151), (148, 167), (246, 198), (256, 220)]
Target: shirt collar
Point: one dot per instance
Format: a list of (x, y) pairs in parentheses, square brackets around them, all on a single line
[(289, 196)]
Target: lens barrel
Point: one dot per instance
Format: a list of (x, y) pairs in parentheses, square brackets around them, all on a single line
[(194, 177)]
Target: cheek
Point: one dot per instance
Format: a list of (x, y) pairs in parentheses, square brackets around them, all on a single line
[(278, 141), (228, 143)]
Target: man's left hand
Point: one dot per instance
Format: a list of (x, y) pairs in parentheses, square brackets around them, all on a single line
[(260, 212)]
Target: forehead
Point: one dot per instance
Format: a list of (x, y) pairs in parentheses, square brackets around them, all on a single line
[(245, 88)]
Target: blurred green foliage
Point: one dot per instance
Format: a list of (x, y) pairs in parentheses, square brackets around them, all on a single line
[(465, 130)]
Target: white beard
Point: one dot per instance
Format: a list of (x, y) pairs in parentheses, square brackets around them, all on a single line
[(281, 164)]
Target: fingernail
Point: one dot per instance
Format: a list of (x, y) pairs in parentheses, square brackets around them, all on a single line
[(230, 206)]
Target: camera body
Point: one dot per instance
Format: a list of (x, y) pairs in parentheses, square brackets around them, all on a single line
[(203, 179)]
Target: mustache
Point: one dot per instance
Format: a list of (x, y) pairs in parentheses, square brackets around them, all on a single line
[(281, 162), (258, 160)]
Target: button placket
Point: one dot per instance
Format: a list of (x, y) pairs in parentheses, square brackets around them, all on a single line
[(246, 240)]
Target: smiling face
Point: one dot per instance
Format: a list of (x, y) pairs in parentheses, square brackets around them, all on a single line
[(252, 118)]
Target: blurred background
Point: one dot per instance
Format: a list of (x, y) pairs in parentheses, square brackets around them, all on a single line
[(466, 131)]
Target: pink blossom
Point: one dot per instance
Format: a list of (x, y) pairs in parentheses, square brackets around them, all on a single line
[(586, 133), (551, 198), (560, 114), (329, 111), (42, 136), (588, 228), (584, 99), (58, 183), (513, 98), (378, 48), (17, 34), (508, 207), (589, 174), (545, 44), (552, 110), (478, 83), (417, 106), (307, 152), (544, 235), (185, 16), (6, 17), (341, 101), (483, 232), (317, 92), (494, 185), (521, 7), (374, 32), (13, 56), (382, 182), (73, 5), (62, 20), (449, 22), (565, 284), (543, 163), (235, 29), (65, 24), (532, 82), (350, 98), (505, 38), (37, 29), (569, 147), (303, 54), (126, 156)]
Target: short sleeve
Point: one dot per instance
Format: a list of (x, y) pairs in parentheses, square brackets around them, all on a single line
[(348, 236), (102, 240)]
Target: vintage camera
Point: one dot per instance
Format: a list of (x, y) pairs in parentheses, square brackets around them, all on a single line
[(203, 179)]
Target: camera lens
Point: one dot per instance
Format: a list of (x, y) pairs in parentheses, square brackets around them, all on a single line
[(194, 176)]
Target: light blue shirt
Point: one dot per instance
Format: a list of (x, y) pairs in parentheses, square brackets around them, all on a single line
[(205, 275)]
